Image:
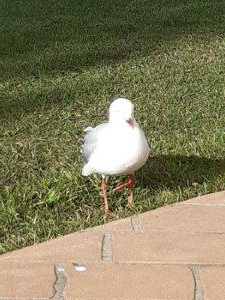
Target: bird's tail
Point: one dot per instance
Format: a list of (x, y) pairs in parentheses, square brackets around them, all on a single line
[(87, 170), (89, 128)]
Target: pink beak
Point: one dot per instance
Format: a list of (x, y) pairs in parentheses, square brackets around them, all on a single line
[(130, 122)]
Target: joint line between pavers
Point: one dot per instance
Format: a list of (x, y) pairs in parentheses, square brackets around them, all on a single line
[(24, 298), (190, 232), (198, 289), (202, 204), (189, 264), (107, 248), (60, 283), (135, 223)]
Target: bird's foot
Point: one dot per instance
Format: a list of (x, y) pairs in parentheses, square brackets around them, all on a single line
[(109, 214), (130, 203), (130, 206)]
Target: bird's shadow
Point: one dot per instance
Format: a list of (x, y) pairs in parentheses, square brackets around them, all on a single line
[(178, 171)]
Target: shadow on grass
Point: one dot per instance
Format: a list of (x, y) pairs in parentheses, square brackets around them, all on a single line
[(177, 171), (68, 36), (57, 37)]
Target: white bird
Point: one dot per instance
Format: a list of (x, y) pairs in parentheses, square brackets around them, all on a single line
[(118, 147)]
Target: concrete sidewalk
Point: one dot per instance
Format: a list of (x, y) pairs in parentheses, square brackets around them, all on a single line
[(172, 253)]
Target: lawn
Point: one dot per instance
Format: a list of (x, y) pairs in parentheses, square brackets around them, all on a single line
[(61, 64)]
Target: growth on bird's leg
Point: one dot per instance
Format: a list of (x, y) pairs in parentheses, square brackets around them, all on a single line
[(108, 213)]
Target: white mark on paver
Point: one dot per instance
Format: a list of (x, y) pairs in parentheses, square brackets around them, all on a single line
[(198, 290), (60, 282), (107, 250), (79, 268), (135, 223)]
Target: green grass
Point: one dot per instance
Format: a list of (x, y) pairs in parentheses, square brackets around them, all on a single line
[(62, 62)]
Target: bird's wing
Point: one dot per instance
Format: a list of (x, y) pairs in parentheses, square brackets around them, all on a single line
[(91, 140)]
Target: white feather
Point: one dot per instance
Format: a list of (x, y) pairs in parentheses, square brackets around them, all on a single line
[(120, 148)]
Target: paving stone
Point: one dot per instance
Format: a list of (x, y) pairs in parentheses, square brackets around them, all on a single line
[(78, 247), (26, 280), (134, 282), (185, 218), (146, 257), (169, 247), (209, 199), (213, 282)]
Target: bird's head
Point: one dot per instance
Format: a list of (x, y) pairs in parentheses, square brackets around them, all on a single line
[(121, 111)]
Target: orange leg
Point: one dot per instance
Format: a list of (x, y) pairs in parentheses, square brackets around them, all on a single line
[(108, 213), (130, 184)]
